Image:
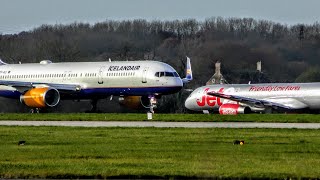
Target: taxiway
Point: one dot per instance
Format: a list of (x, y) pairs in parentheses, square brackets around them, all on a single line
[(158, 124)]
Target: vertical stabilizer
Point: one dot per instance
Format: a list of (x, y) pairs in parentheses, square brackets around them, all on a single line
[(188, 77)]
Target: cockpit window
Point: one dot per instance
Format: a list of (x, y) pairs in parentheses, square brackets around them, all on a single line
[(169, 74), (176, 74), (166, 74)]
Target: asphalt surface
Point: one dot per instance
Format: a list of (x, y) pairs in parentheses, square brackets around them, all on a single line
[(163, 124)]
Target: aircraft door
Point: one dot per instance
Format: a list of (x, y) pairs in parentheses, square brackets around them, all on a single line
[(144, 75), (67, 75), (100, 75)]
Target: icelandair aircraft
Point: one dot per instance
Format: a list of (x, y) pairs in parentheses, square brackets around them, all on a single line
[(42, 85), (258, 98)]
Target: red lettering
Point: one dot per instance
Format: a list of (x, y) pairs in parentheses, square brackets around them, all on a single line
[(274, 88), (202, 102), (210, 100), (219, 99)]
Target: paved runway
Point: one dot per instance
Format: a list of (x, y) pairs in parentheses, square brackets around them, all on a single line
[(162, 124)]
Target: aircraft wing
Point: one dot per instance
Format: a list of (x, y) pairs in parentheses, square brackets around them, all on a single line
[(26, 85), (280, 102)]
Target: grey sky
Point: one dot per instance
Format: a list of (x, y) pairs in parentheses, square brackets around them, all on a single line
[(21, 15)]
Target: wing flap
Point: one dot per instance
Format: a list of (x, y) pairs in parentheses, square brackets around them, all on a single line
[(288, 101)]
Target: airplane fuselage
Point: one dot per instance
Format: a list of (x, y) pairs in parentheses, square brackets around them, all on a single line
[(292, 95), (92, 79)]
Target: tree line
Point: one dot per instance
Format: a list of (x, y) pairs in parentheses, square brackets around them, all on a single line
[(288, 53)]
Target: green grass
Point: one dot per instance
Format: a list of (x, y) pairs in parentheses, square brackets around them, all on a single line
[(164, 117), (66, 152)]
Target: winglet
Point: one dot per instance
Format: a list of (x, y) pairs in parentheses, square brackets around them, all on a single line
[(2, 63), (188, 77)]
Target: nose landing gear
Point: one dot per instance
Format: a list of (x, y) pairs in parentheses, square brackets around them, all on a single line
[(153, 103)]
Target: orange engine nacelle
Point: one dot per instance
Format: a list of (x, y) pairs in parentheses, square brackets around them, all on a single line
[(134, 102), (40, 97)]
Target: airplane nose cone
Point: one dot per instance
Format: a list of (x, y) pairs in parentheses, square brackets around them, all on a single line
[(179, 84), (188, 103)]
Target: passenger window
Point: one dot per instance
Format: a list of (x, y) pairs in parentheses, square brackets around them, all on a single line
[(162, 74), (157, 74)]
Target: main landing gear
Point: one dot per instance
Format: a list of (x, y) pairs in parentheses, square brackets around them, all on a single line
[(94, 103), (35, 110)]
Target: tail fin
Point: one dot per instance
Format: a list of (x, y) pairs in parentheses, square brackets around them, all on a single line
[(2, 63), (188, 77)]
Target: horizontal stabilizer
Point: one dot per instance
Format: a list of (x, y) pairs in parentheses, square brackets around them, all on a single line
[(2, 63)]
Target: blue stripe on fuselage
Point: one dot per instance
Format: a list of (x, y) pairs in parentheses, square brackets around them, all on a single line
[(10, 94), (104, 92)]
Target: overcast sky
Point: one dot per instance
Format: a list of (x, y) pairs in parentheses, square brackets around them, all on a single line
[(23, 15)]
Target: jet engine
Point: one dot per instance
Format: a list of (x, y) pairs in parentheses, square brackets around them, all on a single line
[(134, 102), (40, 97), (233, 109)]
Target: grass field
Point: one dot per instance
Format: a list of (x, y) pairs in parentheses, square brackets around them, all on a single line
[(66, 152), (164, 117)]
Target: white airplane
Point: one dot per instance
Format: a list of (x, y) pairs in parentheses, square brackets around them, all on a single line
[(258, 98), (42, 85)]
